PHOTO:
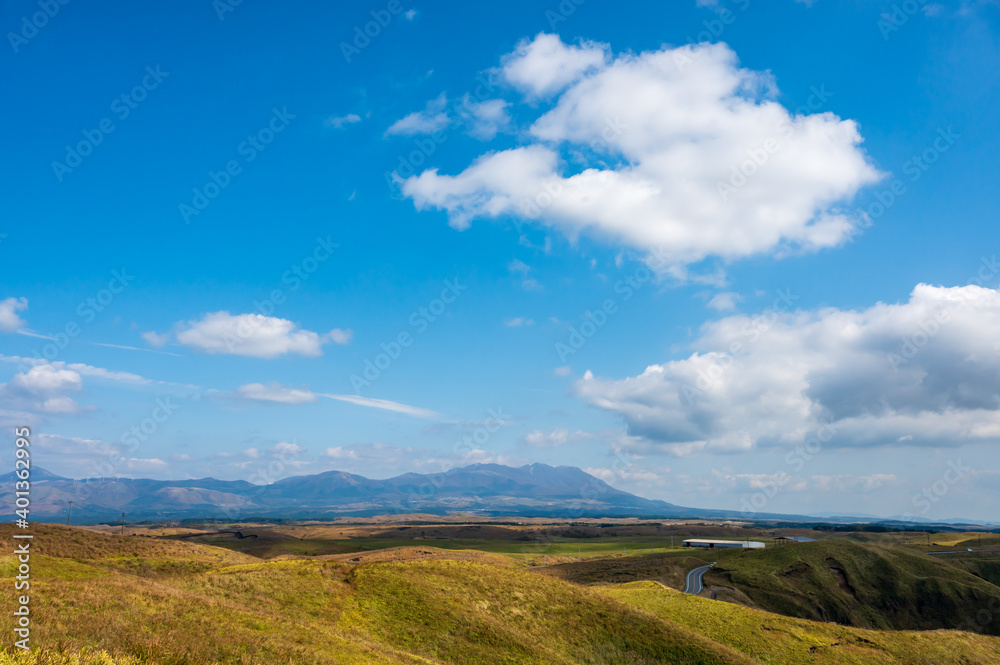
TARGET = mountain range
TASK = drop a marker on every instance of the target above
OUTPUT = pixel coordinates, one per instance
(535, 490)
(487, 489)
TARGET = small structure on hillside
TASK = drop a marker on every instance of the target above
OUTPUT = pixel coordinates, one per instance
(782, 540)
(711, 544)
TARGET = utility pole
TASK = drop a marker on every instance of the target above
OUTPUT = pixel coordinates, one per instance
(69, 512)
(123, 524)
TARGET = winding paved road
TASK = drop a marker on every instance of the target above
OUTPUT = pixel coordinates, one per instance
(694, 583)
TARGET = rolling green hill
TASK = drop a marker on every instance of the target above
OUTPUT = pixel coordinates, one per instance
(864, 585)
(779, 640)
(101, 599)
(669, 569)
(985, 566)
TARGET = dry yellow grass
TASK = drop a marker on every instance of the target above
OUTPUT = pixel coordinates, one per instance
(180, 603)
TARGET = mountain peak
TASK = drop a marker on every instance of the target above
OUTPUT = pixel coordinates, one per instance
(37, 474)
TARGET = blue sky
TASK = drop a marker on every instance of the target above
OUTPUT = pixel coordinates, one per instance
(218, 215)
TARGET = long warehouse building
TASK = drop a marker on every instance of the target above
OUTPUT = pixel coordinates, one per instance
(703, 542)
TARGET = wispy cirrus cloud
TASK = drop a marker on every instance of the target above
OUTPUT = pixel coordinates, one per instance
(136, 348)
(275, 392)
(433, 118)
(280, 394)
(386, 405)
(725, 301)
(339, 122)
(557, 437)
(486, 118)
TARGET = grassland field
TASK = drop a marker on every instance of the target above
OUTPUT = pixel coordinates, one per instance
(425, 592)
(522, 541)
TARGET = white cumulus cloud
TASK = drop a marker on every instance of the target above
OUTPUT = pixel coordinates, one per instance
(678, 151)
(42, 379)
(922, 372)
(285, 449)
(9, 320)
(253, 335)
(44, 388)
(545, 65)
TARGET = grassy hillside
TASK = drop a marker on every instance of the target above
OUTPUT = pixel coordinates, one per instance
(780, 640)
(986, 566)
(669, 568)
(531, 545)
(99, 599)
(865, 585)
(471, 612)
(958, 540)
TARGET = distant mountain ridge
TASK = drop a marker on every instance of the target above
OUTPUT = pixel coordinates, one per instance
(489, 489)
(533, 490)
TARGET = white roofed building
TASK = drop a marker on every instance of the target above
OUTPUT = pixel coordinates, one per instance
(708, 543)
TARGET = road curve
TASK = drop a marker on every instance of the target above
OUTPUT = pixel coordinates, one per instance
(694, 577)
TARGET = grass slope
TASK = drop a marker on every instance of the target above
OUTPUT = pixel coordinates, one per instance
(179, 603)
(669, 569)
(469, 612)
(864, 585)
(780, 640)
(527, 546)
